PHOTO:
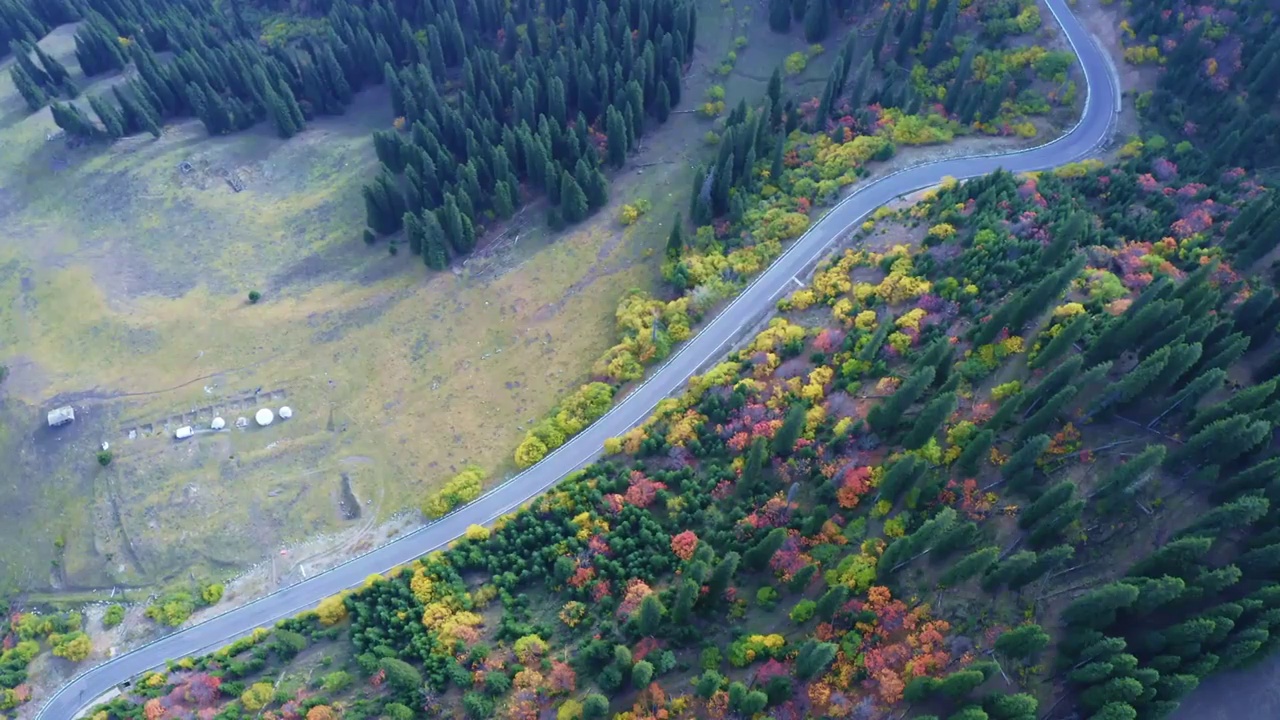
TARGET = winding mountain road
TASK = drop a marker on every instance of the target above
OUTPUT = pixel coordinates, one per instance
(1102, 105)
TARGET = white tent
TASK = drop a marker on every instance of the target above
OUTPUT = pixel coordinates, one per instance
(264, 417)
(286, 412)
(218, 423)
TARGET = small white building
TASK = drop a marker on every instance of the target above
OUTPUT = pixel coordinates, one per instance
(61, 416)
(184, 432)
(264, 417)
(286, 412)
(218, 423)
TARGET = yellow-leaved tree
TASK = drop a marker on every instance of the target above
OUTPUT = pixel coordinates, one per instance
(257, 696)
(331, 610)
(460, 490)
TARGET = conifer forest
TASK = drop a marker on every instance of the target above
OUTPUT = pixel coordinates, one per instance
(1009, 453)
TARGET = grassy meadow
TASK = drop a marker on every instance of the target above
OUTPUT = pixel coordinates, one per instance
(124, 272)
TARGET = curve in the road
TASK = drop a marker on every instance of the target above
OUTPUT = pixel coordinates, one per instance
(1102, 104)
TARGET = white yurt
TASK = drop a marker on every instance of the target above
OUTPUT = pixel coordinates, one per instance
(218, 423)
(264, 417)
(286, 412)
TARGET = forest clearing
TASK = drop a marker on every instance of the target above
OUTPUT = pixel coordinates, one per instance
(125, 281)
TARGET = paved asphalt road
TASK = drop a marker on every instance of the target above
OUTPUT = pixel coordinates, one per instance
(1101, 106)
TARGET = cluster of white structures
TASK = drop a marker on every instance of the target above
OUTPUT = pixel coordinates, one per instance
(263, 418)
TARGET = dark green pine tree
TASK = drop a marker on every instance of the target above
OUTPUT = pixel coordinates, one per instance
(860, 79)
(1222, 441)
(912, 34)
(1053, 383)
(955, 91)
(335, 79)
(217, 114)
(1126, 478)
(593, 183)
(929, 420)
(414, 232)
(885, 416)
(813, 658)
(1022, 643)
(55, 12)
(503, 205)
(378, 209)
(817, 20)
(22, 58)
(414, 197)
(291, 105)
(1225, 352)
(573, 201)
(1181, 359)
(939, 44)
(674, 77)
(58, 75)
(280, 115)
(824, 106)
(780, 15)
(900, 477)
(551, 171)
(1042, 295)
(675, 240)
(139, 115)
(1049, 530)
(1020, 468)
(615, 126)
(974, 453)
(165, 88)
(435, 51)
(784, 441)
(1012, 572)
(971, 565)
(108, 115)
(1244, 401)
(1044, 417)
(1097, 609)
(27, 87)
(662, 107)
(97, 47)
(831, 602)
(68, 117)
(753, 470)
(1126, 330)
(700, 200)
(774, 93)
(468, 234)
(877, 45)
(1052, 498)
(758, 555)
(1069, 333)
(776, 167)
(721, 576)
(434, 243)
